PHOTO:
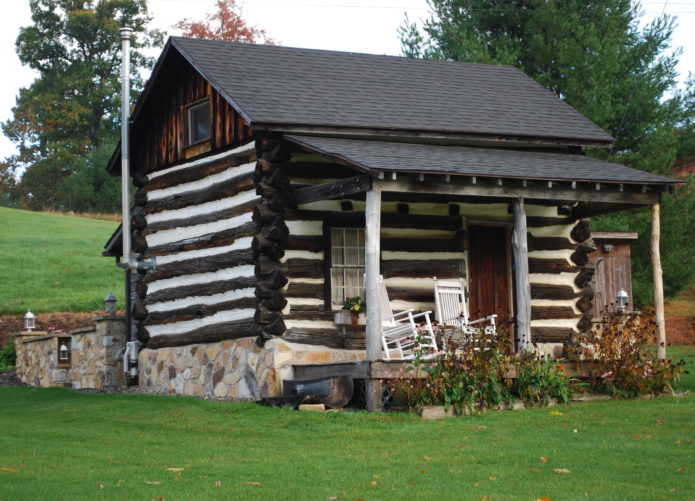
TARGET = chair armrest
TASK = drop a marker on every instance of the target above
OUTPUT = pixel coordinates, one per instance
(485, 319)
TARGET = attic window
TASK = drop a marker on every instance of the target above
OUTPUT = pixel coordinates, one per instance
(198, 122)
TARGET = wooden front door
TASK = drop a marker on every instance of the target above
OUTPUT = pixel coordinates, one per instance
(489, 280)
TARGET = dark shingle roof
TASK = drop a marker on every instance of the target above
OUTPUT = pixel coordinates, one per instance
(289, 86)
(470, 161)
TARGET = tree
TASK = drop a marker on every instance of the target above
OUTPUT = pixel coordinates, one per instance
(74, 104)
(594, 55)
(225, 24)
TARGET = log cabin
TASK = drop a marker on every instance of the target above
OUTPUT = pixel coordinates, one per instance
(276, 182)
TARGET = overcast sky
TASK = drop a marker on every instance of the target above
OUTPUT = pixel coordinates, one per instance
(348, 25)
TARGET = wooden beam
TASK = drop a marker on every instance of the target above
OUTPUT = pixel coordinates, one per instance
(658, 285)
(521, 269)
(334, 189)
(372, 271)
(485, 188)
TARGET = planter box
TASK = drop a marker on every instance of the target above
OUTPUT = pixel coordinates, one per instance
(344, 317)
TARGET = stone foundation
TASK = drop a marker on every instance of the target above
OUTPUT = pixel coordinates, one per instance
(37, 360)
(97, 354)
(236, 369)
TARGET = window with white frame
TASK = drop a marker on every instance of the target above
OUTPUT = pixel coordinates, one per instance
(347, 264)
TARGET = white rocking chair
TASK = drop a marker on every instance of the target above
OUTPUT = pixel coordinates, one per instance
(401, 337)
(452, 309)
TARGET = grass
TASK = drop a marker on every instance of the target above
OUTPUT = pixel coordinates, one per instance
(59, 444)
(683, 304)
(51, 262)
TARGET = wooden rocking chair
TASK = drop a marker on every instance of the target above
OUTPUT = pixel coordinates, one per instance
(452, 310)
(401, 336)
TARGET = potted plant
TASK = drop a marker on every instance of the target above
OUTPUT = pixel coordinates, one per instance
(355, 305)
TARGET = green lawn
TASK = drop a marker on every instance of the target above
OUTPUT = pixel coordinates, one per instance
(50, 262)
(58, 444)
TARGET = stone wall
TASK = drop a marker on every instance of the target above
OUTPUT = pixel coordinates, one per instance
(231, 369)
(37, 360)
(97, 354)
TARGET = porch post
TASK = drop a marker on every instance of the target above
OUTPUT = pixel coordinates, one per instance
(658, 285)
(371, 267)
(523, 288)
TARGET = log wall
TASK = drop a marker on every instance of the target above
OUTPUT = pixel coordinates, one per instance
(420, 240)
(196, 221)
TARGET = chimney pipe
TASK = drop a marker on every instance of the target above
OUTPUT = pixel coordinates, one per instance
(126, 33)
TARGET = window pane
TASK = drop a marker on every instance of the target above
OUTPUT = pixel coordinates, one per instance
(352, 282)
(337, 286)
(337, 244)
(199, 122)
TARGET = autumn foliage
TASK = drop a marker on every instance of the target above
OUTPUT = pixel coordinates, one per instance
(224, 24)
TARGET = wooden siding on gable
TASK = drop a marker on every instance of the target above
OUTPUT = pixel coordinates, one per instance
(158, 135)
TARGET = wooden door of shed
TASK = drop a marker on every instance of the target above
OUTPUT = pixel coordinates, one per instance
(489, 278)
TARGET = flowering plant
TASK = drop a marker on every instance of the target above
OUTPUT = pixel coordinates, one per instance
(355, 305)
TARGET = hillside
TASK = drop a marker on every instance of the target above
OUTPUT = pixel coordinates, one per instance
(53, 263)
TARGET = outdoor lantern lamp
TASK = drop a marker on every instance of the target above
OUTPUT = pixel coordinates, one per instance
(29, 321)
(110, 304)
(63, 352)
(621, 298)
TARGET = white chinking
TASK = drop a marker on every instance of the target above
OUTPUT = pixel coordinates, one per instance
(206, 208)
(186, 232)
(201, 278)
(200, 184)
(189, 325)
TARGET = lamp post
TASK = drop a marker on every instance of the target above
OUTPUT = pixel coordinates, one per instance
(110, 304)
(29, 321)
(621, 299)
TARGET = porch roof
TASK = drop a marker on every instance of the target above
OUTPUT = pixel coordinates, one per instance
(472, 161)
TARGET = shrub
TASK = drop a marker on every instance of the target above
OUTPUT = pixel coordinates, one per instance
(624, 364)
(476, 374)
(8, 354)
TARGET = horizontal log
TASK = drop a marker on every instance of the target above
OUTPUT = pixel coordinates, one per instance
(139, 243)
(549, 243)
(275, 229)
(141, 288)
(587, 245)
(581, 232)
(444, 268)
(139, 222)
(580, 257)
(276, 327)
(221, 190)
(302, 268)
(313, 243)
(275, 280)
(206, 334)
(273, 150)
(552, 291)
(330, 338)
(207, 217)
(263, 213)
(540, 221)
(334, 189)
(584, 304)
(142, 334)
(209, 240)
(201, 265)
(265, 267)
(201, 171)
(139, 310)
(423, 244)
(584, 277)
(276, 303)
(197, 311)
(140, 198)
(315, 314)
(552, 312)
(263, 245)
(139, 179)
(264, 316)
(550, 334)
(585, 323)
(303, 290)
(206, 289)
(540, 265)
(388, 220)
